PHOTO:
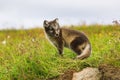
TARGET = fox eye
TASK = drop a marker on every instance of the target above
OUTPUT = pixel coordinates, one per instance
(51, 28)
(51, 31)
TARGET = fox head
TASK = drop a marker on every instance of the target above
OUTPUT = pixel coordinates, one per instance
(52, 28)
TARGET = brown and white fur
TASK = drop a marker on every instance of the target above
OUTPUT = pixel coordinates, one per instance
(62, 37)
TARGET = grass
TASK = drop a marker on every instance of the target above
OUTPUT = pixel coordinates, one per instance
(27, 54)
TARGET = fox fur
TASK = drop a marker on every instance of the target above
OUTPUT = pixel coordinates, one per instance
(63, 37)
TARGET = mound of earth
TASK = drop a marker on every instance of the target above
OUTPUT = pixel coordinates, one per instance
(109, 72)
(104, 72)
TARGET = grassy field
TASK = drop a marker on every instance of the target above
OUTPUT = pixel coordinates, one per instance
(27, 54)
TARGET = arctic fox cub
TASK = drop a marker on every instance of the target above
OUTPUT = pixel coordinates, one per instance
(62, 37)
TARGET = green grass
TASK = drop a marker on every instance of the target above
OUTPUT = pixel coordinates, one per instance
(27, 54)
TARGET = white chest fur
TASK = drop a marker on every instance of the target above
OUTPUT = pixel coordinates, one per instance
(51, 40)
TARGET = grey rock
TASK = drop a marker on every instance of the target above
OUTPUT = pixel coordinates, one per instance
(87, 74)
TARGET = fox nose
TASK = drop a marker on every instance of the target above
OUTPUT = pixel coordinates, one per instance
(56, 35)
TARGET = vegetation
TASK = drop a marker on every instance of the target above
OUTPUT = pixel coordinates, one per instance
(27, 54)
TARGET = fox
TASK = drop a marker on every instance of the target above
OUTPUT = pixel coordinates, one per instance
(62, 37)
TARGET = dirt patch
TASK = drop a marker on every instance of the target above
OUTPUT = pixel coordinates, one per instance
(67, 75)
(109, 72)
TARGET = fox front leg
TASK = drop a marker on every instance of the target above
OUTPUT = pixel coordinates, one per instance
(60, 48)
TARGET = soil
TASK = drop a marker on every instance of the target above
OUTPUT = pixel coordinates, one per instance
(67, 75)
(108, 73)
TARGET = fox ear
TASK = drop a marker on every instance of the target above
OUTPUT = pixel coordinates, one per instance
(56, 20)
(45, 22)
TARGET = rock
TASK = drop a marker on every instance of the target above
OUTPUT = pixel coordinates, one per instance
(87, 74)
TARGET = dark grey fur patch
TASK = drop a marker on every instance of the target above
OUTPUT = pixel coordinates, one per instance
(77, 42)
